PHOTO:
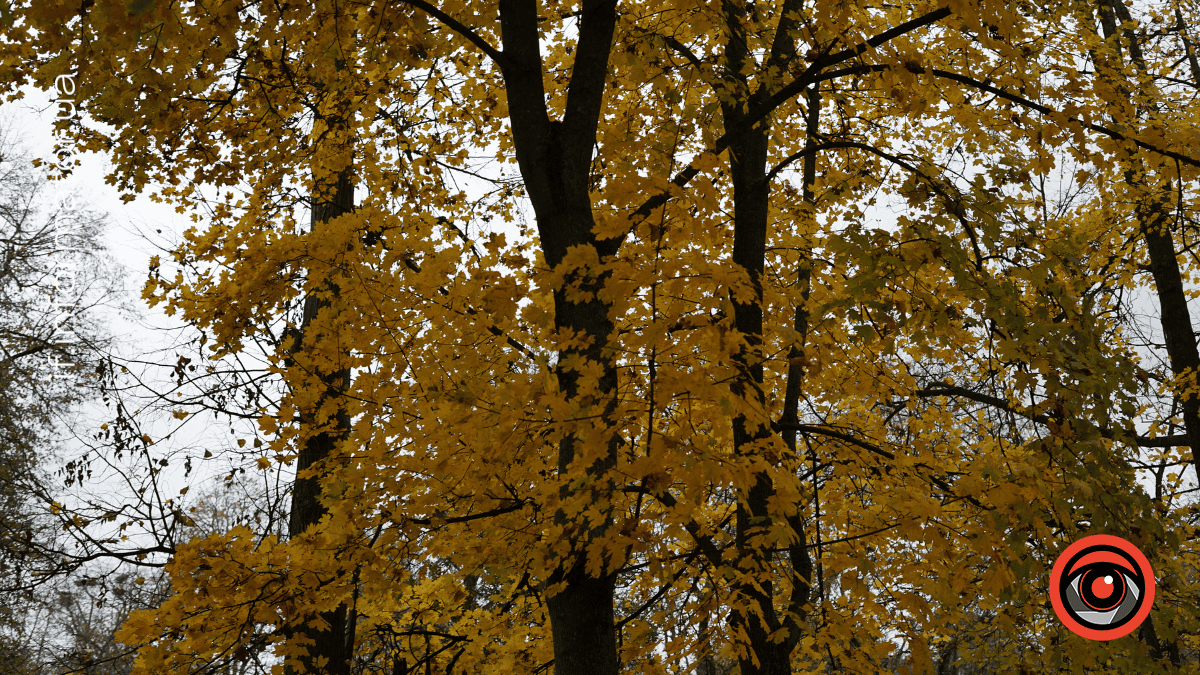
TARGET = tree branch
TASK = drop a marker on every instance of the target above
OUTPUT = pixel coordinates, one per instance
(875, 449)
(760, 112)
(704, 542)
(463, 30)
(466, 519)
(1020, 100)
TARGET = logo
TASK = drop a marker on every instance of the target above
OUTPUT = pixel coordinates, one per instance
(1102, 587)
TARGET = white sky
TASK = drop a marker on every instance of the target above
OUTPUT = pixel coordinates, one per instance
(130, 237)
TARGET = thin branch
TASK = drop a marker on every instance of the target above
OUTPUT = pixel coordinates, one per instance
(465, 519)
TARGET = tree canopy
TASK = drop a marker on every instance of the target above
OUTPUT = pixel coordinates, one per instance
(777, 336)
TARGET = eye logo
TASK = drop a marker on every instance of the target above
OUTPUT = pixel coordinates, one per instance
(1102, 587)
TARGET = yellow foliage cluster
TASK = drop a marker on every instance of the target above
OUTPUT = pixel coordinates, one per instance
(856, 436)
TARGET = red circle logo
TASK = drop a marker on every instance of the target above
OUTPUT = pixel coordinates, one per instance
(1102, 587)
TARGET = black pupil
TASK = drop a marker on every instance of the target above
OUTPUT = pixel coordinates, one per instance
(1092, 580)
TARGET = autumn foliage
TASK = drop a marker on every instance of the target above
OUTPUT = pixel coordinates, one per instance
(661, 337)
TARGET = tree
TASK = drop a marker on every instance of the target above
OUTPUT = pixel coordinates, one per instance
(55, 283)
(695, 378)
(69, 627)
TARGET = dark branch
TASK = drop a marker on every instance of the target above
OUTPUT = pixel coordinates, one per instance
(466, 519)
(760, 112)
(462, 29)
(705, 543)
(1020, 100)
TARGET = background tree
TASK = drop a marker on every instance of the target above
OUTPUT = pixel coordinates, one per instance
(56, 285)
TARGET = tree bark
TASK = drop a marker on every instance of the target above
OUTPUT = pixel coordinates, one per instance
(1153, 214)
(555, 162)
(751, 199)
(329, 647)
(1174, 316)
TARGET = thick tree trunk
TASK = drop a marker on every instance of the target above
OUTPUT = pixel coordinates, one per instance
(750, 198)
(306, 509)
(555, 162)
(330, 646)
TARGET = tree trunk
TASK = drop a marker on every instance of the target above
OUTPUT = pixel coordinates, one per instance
(751, 198)
(1153, 214)
(1175, 318)
(330, 646)
(555, 162)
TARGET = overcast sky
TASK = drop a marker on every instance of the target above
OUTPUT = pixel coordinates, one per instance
(31, 119)
(144, 333)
